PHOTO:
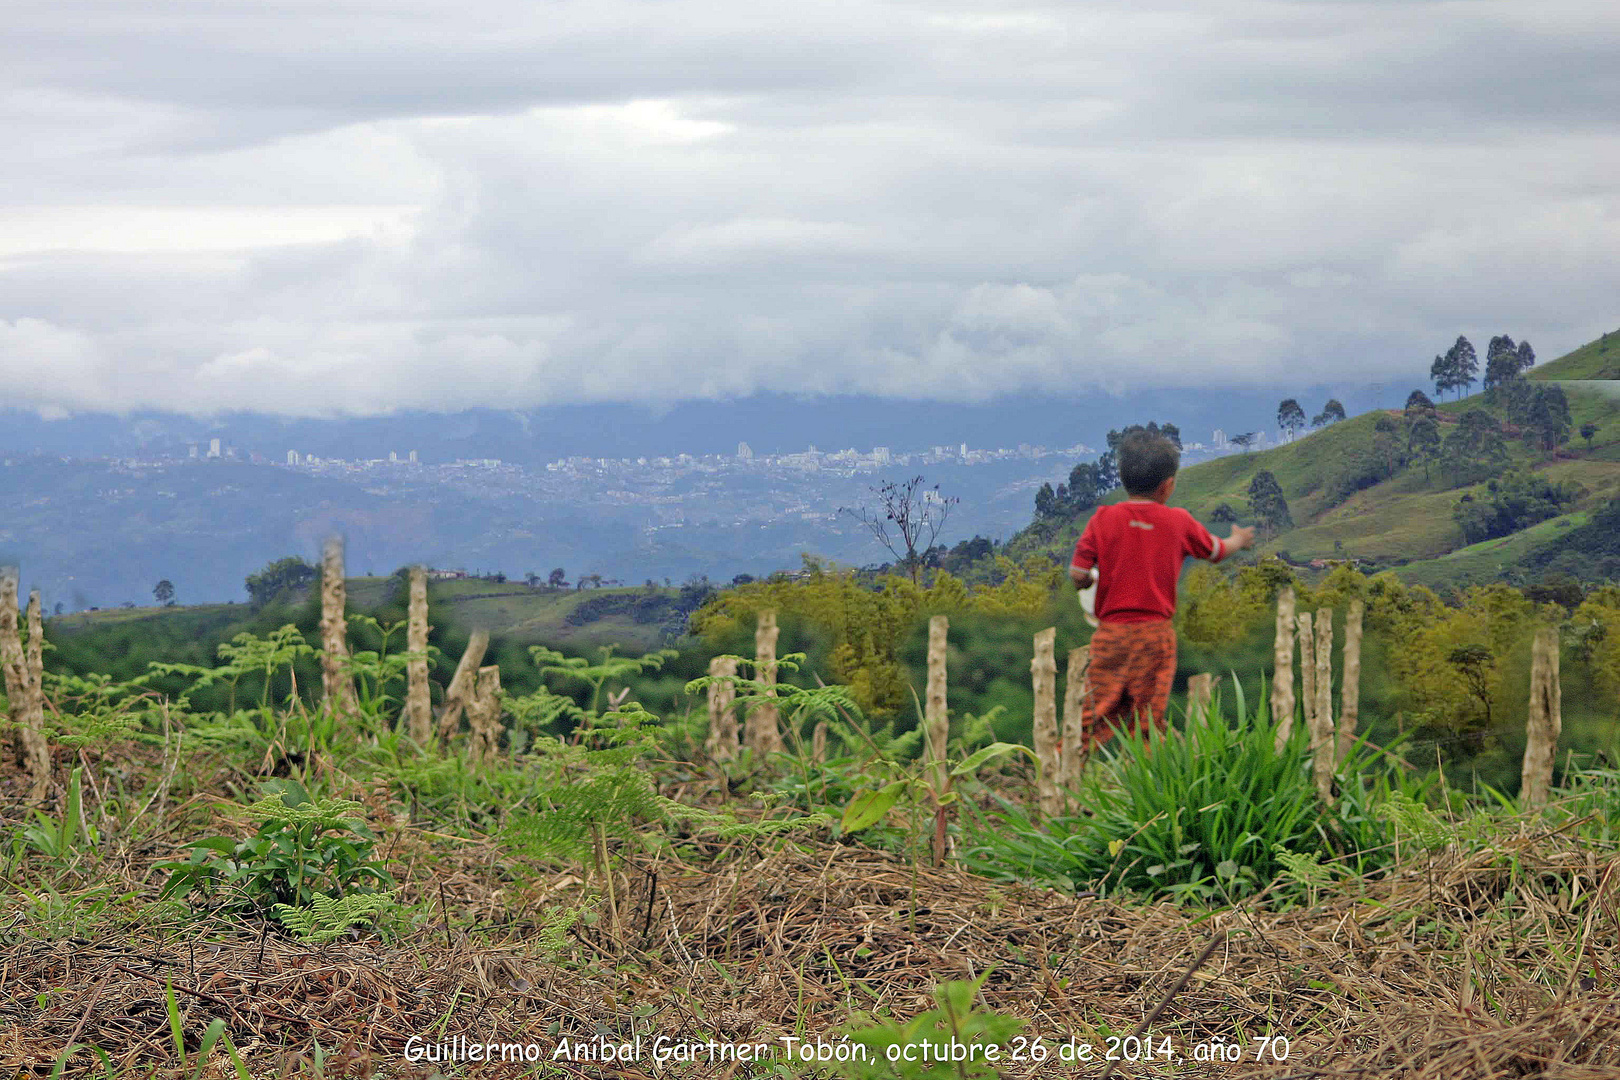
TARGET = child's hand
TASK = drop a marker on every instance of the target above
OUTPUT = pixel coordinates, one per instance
(1242, 537)
(1082, 578)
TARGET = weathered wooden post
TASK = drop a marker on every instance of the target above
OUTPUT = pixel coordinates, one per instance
(1323, 750)
(1307, 667)
(1200, 693)
(460, 690)
(337, 683)
(1074, 732)
(1546, 720)
(11, 662)
(721, 744)
(418, 702)
(818, 743)
(484, 715)
(1043, 669)
(1350, 693)
(24, 675)
(763, 730)
(935, 713)
(1282, 678)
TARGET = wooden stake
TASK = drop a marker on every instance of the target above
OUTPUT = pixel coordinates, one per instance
(763, 730)
(1043, 668)
(484, 715)
(24, 675)
(460, 690)
(11, 661)
(1074, 734)
(1307, 667)
(337, 684)
(1200, 693)
(1282, 677)
(1323, 752)
(1546, 720)
(1350, 693)
(721, 745)
(936, 716)
(418, 702)
(818, 743)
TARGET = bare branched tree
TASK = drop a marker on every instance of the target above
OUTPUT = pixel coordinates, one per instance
(907, 519)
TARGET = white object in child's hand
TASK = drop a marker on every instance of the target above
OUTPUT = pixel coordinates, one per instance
(1088, 599)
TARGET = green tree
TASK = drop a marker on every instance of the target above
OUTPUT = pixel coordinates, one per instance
(1463, 364)
(1475, 448)
(557, 579)
(1423, 441)
(1440, 375)
(163, 592)
(1527, 356)
(279, 577)
(1418, 404)
(1588, 430)
(1331, 413)
(1547, 420)
(1266, 502)
(1290, 417)
(1223, 514)
(1501, 365)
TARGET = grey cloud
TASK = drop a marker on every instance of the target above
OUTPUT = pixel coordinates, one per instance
(623, 201)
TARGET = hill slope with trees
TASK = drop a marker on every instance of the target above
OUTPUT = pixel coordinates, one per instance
(1507, 481)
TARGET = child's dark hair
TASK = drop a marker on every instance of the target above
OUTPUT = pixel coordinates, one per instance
(1146, 461)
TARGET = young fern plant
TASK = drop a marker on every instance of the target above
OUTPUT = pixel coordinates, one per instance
(326, 918)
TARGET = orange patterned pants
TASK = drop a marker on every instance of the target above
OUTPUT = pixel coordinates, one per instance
(1132, 667)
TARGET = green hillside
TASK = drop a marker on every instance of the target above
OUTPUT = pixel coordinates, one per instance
(1344, 506)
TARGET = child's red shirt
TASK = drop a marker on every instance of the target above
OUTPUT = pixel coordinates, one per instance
(1138, 548)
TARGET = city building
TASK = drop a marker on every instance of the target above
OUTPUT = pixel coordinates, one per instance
(393, 457)
(213, 448)
(745, 452)
(292, 457)
(880, 454)
(413, 457)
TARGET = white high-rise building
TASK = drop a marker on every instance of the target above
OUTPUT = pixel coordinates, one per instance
(213, 448)
(745, 452)
(393, 457)
(1218, 438)
(292, 457)
(193, 451)
(881, 454)
(413, 457)
(964, 450)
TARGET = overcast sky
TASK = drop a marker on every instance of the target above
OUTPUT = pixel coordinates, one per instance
(319, 206)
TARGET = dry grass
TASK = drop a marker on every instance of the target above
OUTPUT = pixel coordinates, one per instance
(1438, 971)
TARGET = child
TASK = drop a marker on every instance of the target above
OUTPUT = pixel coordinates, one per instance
(1134, 550)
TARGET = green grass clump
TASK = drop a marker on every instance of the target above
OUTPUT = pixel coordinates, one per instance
(1208, 814)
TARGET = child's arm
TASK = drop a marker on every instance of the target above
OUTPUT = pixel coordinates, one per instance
(1241, 536)
(1083, 567)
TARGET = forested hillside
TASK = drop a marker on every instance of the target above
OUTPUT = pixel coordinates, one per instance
(1510, 482)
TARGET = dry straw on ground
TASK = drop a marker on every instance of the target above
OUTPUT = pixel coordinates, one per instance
(1436, 972)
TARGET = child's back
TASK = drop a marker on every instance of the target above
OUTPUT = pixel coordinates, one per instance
(1136, 549)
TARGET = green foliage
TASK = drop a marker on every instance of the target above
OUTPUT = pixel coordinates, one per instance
(303, 847)
(1515, 500)
(1266, 502)
(279, 578)
(1197, 815)
(953, 1020)
(59, 838)
(1475, 449)
(327, 918)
